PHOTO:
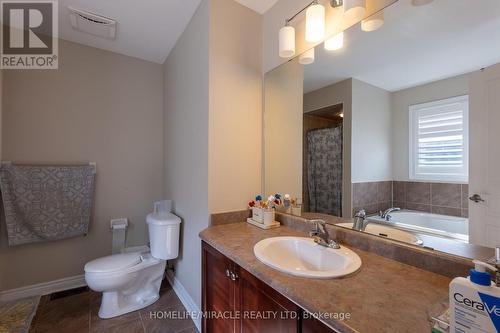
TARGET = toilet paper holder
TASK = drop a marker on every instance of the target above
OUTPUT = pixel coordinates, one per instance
(117, 224)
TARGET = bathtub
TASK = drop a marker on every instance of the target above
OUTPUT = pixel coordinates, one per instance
(427, 223)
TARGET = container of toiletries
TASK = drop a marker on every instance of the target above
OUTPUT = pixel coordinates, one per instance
(475, 302)
(258, 214)
(269, 215)
(287, 204)
(297, 207)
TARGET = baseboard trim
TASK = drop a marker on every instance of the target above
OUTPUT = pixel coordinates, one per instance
(44, 288)
(185, 298)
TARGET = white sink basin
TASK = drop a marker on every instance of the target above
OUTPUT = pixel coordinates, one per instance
(300, 256)
(387, 232)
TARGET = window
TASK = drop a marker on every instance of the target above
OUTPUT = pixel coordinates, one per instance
(439, 140)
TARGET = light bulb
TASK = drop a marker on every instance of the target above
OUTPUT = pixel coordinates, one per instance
(307, 57)
(335, 43)
(354, 8)
(374, 22)
(287, 42)
(315, 23)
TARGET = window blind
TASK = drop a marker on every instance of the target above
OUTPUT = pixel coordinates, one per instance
(439, 140)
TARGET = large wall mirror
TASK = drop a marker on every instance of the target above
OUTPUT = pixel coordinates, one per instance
(399, 121)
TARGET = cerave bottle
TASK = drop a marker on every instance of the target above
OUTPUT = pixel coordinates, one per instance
(475, 302)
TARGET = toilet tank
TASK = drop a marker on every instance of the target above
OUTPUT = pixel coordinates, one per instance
(164, 230)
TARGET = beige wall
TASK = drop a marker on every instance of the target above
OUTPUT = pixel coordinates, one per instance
(186, 143)
(371, 156)
(235, 121)
(98, 106)
(212, 123)
(401, 100)
(341, 92)
(283, 129)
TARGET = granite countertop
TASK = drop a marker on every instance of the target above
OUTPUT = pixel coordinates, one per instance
(383, 296)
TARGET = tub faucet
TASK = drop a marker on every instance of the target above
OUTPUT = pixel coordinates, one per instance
(385, 215)
(321, 236)
(360, 221)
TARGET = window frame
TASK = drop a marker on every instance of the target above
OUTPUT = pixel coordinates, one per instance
(415, 111)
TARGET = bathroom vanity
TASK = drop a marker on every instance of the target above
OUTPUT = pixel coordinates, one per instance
(383, 295)
(249, 304)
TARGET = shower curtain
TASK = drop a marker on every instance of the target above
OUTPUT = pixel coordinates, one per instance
(324, 170)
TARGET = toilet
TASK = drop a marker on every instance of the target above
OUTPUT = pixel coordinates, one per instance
(131, 281)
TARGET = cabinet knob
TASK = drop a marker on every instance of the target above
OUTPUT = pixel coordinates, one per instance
(228, 273)
(234, 276)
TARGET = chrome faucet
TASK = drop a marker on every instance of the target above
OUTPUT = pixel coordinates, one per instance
(385, 215)
(321, 236)
(360, 221)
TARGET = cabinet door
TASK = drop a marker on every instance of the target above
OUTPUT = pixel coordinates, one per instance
(218, 291)
(262, 309)
(311, 325)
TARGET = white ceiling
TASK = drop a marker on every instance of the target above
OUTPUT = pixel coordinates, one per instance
(260, 6)
(147, 29)
(416, 45)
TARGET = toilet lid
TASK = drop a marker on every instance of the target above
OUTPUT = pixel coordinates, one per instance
(113, 263)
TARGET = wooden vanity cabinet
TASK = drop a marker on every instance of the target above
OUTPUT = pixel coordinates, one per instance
(233, 300)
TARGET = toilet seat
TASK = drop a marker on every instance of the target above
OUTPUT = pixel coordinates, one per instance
(113, 263)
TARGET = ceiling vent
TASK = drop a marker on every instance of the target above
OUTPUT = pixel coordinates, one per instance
(93, 24)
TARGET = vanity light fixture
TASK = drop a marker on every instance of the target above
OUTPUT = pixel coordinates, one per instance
(307, 57)
(287, 42)
(336, 3)
(354, 8)
(374, 22)
(335, 43)
(315, 22)
(315, 28)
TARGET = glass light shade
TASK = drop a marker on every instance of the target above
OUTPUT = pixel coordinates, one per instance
(373, 23)
(335, 43)
(315, 23)
(287, 42)
(354, 8)
(421, 2)
(307, 57)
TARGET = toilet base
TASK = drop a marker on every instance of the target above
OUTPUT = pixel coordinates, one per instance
(110, 307)
(142, 290)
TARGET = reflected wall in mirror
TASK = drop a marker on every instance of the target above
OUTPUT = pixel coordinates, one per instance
(401, 122)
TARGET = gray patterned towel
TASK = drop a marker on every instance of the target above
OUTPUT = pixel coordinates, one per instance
(45, 203)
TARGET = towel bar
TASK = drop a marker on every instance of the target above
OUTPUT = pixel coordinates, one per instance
(94, 164)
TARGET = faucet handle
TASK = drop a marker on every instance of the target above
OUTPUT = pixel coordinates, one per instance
(361, 214)
(319, 228)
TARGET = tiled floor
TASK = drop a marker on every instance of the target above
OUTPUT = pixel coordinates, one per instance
(77, 313)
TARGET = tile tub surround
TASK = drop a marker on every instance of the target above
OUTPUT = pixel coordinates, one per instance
(396, 299)
(438, 198)
(371, 196)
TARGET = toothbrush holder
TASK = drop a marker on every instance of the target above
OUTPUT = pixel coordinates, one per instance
(269, 216)
(258, 214)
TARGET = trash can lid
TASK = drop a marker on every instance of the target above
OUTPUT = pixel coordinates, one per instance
(163, 219)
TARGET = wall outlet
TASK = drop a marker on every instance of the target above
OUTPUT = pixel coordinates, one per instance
(120, 223)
